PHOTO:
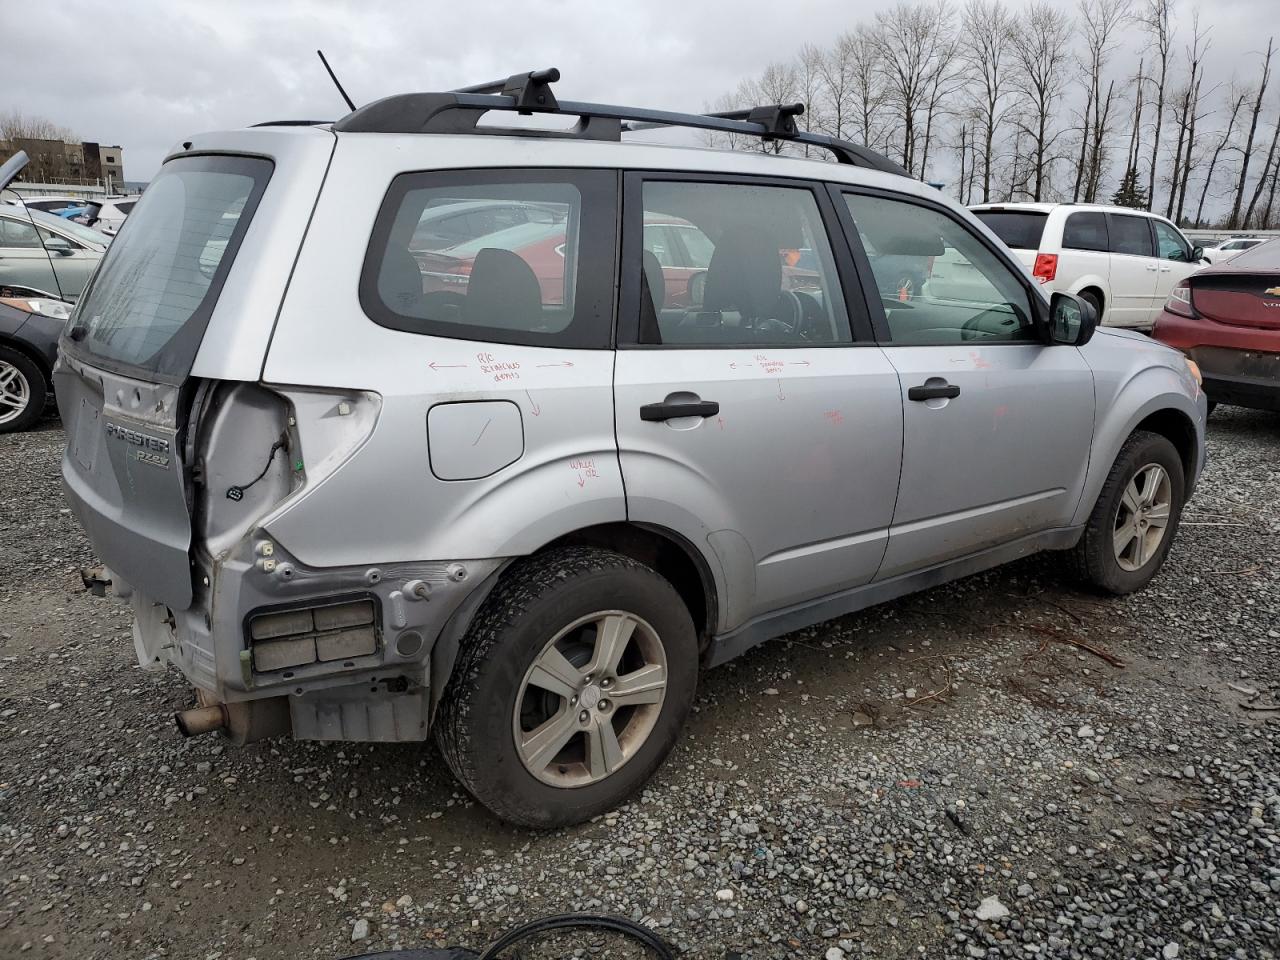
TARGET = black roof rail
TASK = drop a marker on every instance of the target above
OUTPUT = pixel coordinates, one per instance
(459, 111)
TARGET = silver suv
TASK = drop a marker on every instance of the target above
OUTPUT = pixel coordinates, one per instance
(402, 425)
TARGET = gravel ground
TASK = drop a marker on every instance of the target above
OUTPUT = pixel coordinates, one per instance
(964, 773)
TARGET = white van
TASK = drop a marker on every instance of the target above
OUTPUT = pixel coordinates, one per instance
(1125, 262)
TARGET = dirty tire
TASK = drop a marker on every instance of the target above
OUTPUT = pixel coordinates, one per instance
(36, 392)
(535, 599)
(1094, 556)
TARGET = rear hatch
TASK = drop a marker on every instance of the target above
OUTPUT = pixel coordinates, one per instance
(1238, 297)
(124, 382)
(1020, 230)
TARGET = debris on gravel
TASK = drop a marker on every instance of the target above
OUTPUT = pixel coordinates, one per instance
(950, 775)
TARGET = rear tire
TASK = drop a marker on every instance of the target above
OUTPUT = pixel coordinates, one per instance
(22, 391)
(571, 687)
(1095, 301)
(1134, 522)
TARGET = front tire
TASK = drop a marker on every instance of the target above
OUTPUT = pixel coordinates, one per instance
(22, 391)
(1133, 524)
(571, 687)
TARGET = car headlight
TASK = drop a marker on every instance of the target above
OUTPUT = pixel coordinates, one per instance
(1195, 370)
(46, 307)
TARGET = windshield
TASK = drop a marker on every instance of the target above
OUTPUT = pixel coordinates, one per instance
(1263, 256)
(148, 305)
(1019, 229)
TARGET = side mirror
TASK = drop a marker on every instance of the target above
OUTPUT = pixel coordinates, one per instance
(1072, 320)
(59, 246)
(1197, 254)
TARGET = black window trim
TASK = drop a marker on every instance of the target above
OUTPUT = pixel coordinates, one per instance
(871, 292)
(632, 230)
(1106, 227)
(596, 266)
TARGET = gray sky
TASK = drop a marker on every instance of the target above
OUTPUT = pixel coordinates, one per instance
(168, 69)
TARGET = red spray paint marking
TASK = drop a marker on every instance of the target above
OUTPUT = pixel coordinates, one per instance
(586, 469)
(834, 417)
(534, 409)
(566, 363)
(446, 366)
(1000, 412)
(501, 371)
(781, 396)
(979, 362)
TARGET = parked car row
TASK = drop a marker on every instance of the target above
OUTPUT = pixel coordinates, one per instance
(104, 214)
(1125, 262)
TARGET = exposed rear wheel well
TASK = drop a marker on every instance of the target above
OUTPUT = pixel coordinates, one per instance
(1179, 431)
(667, 553)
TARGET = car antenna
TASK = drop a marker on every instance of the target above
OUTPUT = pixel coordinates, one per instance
(7, 173)
(334, 77)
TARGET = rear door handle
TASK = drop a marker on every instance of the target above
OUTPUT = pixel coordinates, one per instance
(669, 411)
(1152, 267)
(939, 391)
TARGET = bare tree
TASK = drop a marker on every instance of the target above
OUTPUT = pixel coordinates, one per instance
(870, 97)
(1100, 23)
(1041, 49)
(988, 28)
(1157, 19)
(1253, 130)
(1262, 178)
(1237, 102)
(1186, 114)
(917, 51)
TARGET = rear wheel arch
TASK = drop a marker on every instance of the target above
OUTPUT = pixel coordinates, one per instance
(664, 551)
(1093, 292)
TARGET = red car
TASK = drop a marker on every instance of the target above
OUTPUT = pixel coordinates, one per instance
(1226, 318)
(683, 251)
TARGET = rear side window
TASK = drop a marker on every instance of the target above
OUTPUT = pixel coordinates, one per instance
(1130, 235)
(737, 264)
(150, 301)
(1086, 231)
(508, 256)
(1019, 229)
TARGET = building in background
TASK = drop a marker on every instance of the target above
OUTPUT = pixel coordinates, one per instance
(55, 162)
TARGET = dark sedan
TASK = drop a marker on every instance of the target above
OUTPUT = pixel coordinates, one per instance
(1227, 319)
(30, 325)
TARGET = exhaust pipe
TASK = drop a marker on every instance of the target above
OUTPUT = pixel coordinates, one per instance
(240, 723)
(200, 720)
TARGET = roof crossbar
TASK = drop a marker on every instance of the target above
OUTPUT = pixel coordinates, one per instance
(459, 111)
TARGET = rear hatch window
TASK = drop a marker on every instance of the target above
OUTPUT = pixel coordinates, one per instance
(1019, 229)
(149, 303)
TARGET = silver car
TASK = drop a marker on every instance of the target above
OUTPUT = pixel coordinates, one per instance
(518, 491)
(44, 254)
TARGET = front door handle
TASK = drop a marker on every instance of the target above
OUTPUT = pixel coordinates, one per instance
(669, 411)
(936, 391)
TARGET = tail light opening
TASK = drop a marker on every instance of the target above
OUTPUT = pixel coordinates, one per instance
(1046, 267)
(1179, 301)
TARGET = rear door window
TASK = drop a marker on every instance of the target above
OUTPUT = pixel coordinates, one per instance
(508, 256)
(1086, 231)
(150, 301)
(1130, 235)
(1019, 229)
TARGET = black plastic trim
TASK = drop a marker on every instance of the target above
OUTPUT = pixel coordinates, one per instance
(458, 111)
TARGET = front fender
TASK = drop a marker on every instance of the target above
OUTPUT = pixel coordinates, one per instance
(1126, 396)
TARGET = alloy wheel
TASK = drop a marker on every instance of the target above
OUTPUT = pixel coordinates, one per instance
(1142, 517)
(590, 699)
(15, 392)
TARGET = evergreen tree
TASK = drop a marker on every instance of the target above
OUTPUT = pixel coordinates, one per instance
(1130, 194)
